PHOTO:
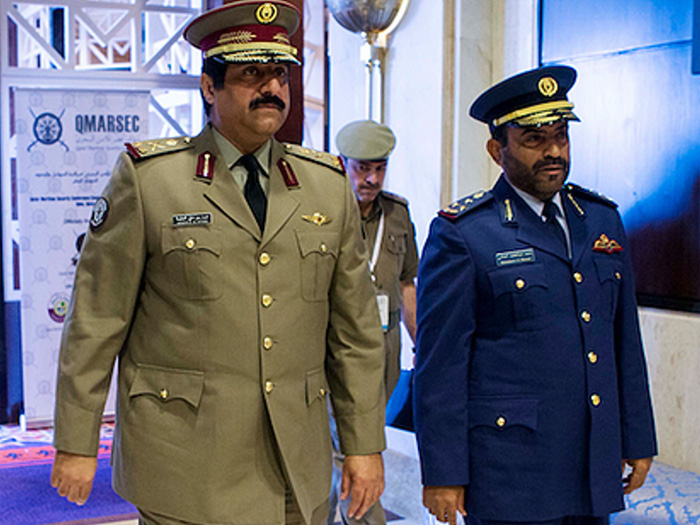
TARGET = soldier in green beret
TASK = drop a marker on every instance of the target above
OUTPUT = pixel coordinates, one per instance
(365, 147)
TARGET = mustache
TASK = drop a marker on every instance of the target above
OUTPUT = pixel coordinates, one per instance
(268, 99)
(540, 164)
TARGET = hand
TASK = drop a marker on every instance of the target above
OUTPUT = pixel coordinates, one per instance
(72, 475)
(363, 480)
(635, 479)
(445, 502)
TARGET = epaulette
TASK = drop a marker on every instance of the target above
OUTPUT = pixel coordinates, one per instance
(151, 148)
(395, 198)
(319, 157)
(465, 205)
(580, 190)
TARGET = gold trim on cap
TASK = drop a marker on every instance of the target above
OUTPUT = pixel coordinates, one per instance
(256, 48)
(266, 13)
(532, 110)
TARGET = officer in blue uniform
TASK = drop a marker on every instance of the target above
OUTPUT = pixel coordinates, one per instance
(531, 387)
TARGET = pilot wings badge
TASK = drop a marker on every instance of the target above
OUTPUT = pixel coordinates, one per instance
(317, 218)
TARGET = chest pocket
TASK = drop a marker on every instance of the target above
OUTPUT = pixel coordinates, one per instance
(523, 292)
(396, 244)
(191, 260)
(609, 275)
(319, 252)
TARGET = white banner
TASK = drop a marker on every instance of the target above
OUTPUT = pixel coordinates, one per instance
(67, 143)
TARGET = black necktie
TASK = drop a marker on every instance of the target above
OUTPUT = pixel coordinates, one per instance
(550, 212)
(253, 192)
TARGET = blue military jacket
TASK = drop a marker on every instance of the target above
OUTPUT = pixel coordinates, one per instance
(531, 383)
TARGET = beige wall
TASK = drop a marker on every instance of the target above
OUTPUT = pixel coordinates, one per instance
(672, 342)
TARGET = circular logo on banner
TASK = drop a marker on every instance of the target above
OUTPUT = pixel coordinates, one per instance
(99, 214)
(47, 128)
(58, 307)
(266, 13)
(548, 86)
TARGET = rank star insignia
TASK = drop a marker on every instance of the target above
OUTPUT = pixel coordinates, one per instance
(317, 218)
(606, 245)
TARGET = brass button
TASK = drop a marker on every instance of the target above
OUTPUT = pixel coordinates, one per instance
(501, 422)
(520, 284)
(586, 316)
(264, 258)
(164, 393)
(266, 300)
(595, 399)
(323, 247)
(190, 243)
(618, 276)
(592, 357)
(267, 343)
(578, 277)
(269, 386)
(322, 391)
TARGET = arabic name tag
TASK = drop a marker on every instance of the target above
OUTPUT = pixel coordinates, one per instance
(383, 304)
(524, 256)
(191, 219)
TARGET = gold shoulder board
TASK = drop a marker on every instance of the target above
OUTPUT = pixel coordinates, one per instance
(585, 192)
(466, 204)
(151, 148)
(319, 157)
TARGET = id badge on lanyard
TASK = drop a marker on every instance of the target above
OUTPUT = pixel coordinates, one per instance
(382, 297)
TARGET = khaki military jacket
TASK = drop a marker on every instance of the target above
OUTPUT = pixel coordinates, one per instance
(228, 341)
(397, 262)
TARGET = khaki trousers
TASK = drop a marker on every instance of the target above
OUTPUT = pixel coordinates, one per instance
(292, 515)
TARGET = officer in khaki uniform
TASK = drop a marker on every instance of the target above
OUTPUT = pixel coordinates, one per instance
(228, 274)
(365, 147)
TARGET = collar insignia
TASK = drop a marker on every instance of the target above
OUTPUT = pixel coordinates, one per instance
(205, 166)
(290, 178)
(317, 218)
(606, 245)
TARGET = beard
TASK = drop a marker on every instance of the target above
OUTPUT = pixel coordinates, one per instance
(533, 179)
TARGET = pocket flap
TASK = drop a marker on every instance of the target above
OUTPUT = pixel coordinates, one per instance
(190, 239)
(316, 385)
(168, 383)
(503, 413)
(608, 269)
(324, 243)
(517, 279)
(396, 244)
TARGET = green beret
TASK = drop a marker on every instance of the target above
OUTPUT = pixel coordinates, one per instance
(365, 140)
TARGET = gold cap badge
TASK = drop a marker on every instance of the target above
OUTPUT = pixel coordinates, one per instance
(548, 86)
(266, 13)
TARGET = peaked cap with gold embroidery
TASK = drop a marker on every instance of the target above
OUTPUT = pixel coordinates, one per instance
(533, 98)
(244, 31)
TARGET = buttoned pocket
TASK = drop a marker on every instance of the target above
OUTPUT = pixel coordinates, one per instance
(503, 413)
(503, 438)
(319, 252)
(316, 386)
(168, 384)
(609, 271)
(523, 291)
(191, 260)
(164, 402)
